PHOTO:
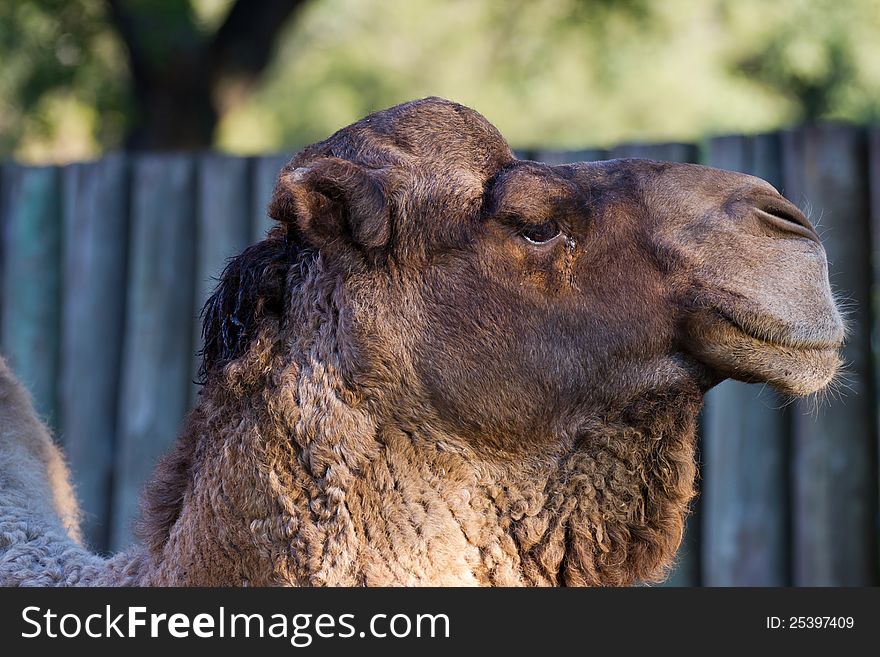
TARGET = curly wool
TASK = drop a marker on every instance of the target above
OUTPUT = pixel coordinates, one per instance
(40, 542)
(349, 503)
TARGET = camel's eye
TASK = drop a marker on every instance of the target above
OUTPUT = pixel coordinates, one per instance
(540, 233)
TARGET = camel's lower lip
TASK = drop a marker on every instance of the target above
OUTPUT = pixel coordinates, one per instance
(778, 341)
(793, 367)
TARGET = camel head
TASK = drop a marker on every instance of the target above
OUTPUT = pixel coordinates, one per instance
(506, 298)
(507, 356)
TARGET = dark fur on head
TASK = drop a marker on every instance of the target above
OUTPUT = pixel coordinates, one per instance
(251, 289)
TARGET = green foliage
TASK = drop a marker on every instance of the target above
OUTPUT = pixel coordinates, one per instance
(65, 87)
(548, 72)
(823, 56)
(62, 78)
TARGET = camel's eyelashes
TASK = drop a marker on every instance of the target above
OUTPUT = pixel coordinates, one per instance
(540, 233)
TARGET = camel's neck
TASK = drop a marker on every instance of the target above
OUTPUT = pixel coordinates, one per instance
(296, 484)
(284, 476)
(605, 509)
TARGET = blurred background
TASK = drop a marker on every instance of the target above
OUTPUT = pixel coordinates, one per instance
(79, 77)
(140, 140)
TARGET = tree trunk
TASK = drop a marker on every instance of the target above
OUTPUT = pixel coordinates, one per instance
(176, 69)
(173, 111)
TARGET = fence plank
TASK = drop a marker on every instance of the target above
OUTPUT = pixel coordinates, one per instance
(874, 200)
(5, 189)
(31, 327)
(223, 226)
(265, 173)
(95, 254)
(745, 514)
(569, 156)
(745, 445)
(834, 498)
(874, 209)
(157, 353)
(672, 152)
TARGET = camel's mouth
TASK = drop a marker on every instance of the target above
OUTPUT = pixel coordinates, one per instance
(759, 329)
(757, 349)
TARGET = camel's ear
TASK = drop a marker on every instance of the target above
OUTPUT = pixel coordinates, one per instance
(333, 201)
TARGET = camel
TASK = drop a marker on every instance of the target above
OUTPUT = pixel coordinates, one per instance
(449, 366)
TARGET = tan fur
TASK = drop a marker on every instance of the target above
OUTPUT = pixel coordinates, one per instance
(447, 366)
(31, 466)
(39, 516)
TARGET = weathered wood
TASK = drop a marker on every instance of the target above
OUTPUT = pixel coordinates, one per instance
(223, 226)
(95, 255)
(745, 515)
(745, 443)
(669, 152)
(874, 200)
(567, 157)
(766, 160)
(5, 188)
(835, 494)
(265, 173)
(31, 327)
(874, 208)
(157, 353)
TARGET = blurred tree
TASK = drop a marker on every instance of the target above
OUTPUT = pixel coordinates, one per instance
(58, 59)
(570, 73)
(156, 71)
(812, 56)
(81, 76)
(814, 90)
(182, 77)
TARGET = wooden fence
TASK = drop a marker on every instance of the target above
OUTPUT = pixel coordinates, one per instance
(104, 266)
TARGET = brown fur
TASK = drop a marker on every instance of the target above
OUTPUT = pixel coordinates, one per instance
(415, 381)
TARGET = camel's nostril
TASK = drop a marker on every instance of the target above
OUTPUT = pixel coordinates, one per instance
(786, 214)
(787, 218)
